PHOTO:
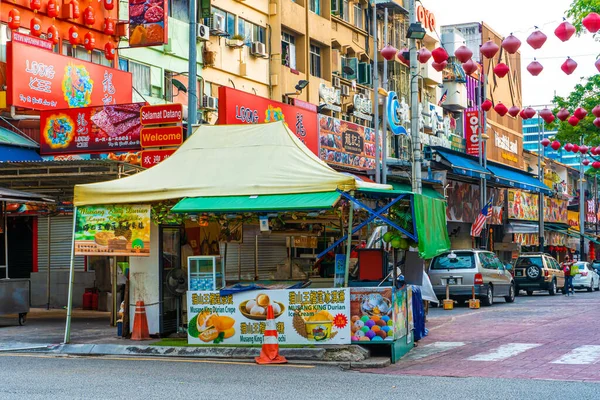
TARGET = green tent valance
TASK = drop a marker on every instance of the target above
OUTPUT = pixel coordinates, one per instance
(263, 203)
(426, 191)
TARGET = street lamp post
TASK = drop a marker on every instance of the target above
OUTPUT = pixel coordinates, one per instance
(414, 106)
(376, 95)
(193, 71)
(542, 133)
(582, 256)
(384, 117)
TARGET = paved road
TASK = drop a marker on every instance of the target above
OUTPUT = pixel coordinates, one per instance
(538, 337)
(31, 376)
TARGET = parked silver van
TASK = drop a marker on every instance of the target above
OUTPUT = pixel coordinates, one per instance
(462, 270)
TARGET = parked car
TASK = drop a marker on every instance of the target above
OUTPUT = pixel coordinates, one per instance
(587, 278)
(596, 265)
(538, 271)
(463, 270)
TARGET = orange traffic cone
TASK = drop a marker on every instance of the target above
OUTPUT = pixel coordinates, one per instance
(140, 323)
(269, 354)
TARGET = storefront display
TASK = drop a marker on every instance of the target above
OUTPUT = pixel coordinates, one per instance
(372, 314)
(463, 203)
(346, 144)
(206, 273)
(523, 205)
(556, 210)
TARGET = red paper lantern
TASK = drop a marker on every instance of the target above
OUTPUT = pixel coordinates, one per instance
(529, 112)
(389, 52)
(76, 9)
(594, 150)
(109, 4)
(52, 34)
(439, 55)
(597, 64)
(569, 66)
(564, 31)
(439, 67)
(89, 18)
(522, 114)
(537, 39)
(35, 27)
(423, 55)
(596, 111)
(489, 49)
(109, 26)
(14, 19)
(580, 113)
(109, 51)
(501, 70)
(52, 9)
(463, 54)
(545, 142)
(511, 44)
(583, 149)
(586, 162)
(35, 5)
(535, 68)
(592, 22)
(555, 145)
(575, 148)
(89, 41)
(486, 105)
(74, 38)
(597, 122)
(596, 164)
(400, 56)
(501, 109)
(563, 114)
(573, 121)
(568, 147)
(514, 111)
(470, 66)
(547, 115)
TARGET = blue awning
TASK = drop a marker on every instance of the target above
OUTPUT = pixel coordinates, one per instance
(17, 154)
(463, 164)
(518, 179)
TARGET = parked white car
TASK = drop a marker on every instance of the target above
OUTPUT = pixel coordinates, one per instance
(587, 278)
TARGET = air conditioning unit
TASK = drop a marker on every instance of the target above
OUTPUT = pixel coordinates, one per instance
(336, 82)
(345, 90)
(259, 49)
(202, 33)
(210, 103)
(218, 24)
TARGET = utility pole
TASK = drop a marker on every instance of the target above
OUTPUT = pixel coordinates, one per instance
(384, 117)
(542, 133)
(582, 256)
(414, 106)
(193, 72)
(376, 95)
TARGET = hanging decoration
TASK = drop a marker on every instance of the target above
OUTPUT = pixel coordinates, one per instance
(564, 31)
(594, 151)
(522, 114)
(501, 109)
(535, 68)
(592, 22)
(469, 66)
(401, 57)
(575, 148)
(89, 17)
(555, 145)
(463, 54)
(35, 27)
(439, 67)
(529, 112)
(563, 114)
(586, 162)
(580, 113)
(109, 26)
(423, 55)
(583, 149)
(439, 55)
(35, 5)
(511, 44)
(545, 142)
(109, 4)
(487, 105)
(109, 51)
(568, 147)
(489, 49)
(596, 164)
(573, 121)
(514, 111)
(537, 39)
(596, 111)
(75, 8)
(597, 122)
(501, 70)
(89, 42)
(52, 34)
(52, 9)
(569, 66)
(74, 35)
(389, 52)
(547, 115)
(14, 19)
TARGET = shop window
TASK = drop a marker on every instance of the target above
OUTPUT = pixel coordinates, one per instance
(99, 58)
(229, 20)
(140, 74)
(315, 61)
(288, 50)
(315, 6)
(76, 52)
(179, 9)
(358, 16)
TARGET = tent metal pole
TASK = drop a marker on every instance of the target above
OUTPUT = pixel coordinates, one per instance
(48, 281)
(349, 247)
(5, 238)
(71, 279)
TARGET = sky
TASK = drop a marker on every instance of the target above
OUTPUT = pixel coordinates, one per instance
(519, 17)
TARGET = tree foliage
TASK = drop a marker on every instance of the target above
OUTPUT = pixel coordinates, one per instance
(579, 9)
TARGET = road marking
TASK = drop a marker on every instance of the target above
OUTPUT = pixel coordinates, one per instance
(580, 356)
(431, 349)
(185, 360)
(503, 352)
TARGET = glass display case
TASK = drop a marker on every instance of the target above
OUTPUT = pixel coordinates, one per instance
(206, 273)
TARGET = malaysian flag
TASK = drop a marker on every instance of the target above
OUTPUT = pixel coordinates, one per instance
(486, 212)
(443, 98)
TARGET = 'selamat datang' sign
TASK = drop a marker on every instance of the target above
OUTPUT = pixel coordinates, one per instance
(162, 114)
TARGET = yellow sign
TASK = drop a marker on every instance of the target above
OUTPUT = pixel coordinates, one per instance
(573, 220)
(510, 157)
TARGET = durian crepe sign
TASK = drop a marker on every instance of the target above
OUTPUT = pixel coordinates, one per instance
(115, 230)
(301, 316)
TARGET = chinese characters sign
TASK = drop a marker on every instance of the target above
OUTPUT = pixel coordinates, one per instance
(472, 132)
(92, 129)
(346, 144)
(152, 157)
(120, 230)
(42, 80)
(302, 316)
(236, 107)
(590, 212)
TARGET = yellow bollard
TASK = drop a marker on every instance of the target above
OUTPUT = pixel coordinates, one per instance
(448, 304)
(474, 303)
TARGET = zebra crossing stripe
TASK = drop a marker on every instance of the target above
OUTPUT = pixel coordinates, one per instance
(431, 349)
(503, 352)
(588, 354)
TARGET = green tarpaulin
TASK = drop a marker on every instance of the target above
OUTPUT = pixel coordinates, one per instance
(430, 218)
(265, 203)
(426, 191)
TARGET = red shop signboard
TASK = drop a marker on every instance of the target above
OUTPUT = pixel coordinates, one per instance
(472, 132)
(41, 80)
(111, 128)
(236, 107)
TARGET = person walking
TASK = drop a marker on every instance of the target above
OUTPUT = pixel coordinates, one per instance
(567, 265)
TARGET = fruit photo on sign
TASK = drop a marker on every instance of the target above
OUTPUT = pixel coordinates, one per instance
(147, 22)
(211, 327)
(257, 309)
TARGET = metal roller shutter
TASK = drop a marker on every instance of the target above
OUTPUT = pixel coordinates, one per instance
(271, 252)
(61, 237)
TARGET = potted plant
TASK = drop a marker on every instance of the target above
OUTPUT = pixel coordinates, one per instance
(235, 41)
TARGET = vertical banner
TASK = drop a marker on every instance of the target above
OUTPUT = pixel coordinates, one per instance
(472, 132)
(340, 270)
